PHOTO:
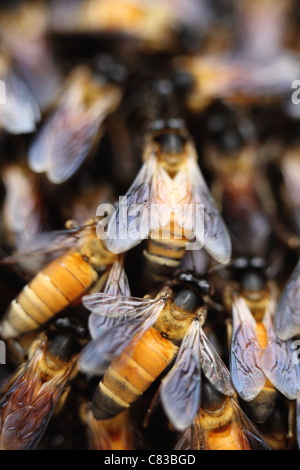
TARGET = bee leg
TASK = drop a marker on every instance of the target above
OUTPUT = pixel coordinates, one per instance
(98, 286)
(153, 405)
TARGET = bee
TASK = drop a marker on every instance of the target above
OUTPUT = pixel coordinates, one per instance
(260, 363)
(74, 128)
(149, 334)
(239, 184)
(170, 202)
(34, 392)
(61, 282)
(20, 112)
(220, 424)
(23, 212)
(111, 434)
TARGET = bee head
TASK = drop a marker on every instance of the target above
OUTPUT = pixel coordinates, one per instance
(250, 273)
(228, 131)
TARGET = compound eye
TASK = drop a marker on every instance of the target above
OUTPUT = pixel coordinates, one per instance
(258, 262)
(241, 263)
(157, 125)
(204, 287)
(186, 277)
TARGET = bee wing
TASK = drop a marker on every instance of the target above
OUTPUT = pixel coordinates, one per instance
(209, 228)
(287, 318)
(213, 367)
(194, 438)
(241, 433)
(298, 420)
(245, 359)
(196, 261)
(46, 243)
(180, 389)
(63, 143)
(136, 316)
(249, 437)
(130, 223)
(28, 405)
(117, 282)
(20, 112)
(116, 285)
(277, 361)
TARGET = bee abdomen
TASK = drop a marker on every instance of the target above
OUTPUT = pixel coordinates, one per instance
(162, 258)
(226, 438)
(51, 290)
(131, 374)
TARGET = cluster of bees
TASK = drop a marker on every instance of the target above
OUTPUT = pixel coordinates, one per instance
(180, 335)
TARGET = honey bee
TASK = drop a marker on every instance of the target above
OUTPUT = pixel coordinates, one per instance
(75, 127)
(111, 434)
(220, 424)
(33, 393)
(60, 283)
(170, 202)
(240, 184)
(260, 363)
(20, 113)
(149, 334)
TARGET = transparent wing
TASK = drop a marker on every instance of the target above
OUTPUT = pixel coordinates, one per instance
(298, 420)
(116, 285)
(249, 436)
(138, 316)
(112, 306)
(117, 282)
(28, 406)
(245, 359)
(193, 438)
(277, 361)
(287, 317)
(46, 243)
(180, 389)
(239, 433)
(130, 223)
(20, 113)
(63, 143)
(213, 367)
(209, 228)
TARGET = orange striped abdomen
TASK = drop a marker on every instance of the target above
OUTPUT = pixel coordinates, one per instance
(226, 438)
(51, 290)
(129, 375)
